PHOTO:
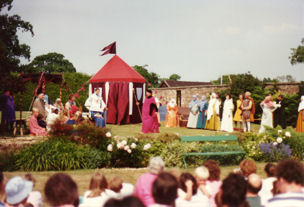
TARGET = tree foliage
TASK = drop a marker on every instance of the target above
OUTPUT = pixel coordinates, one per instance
(175, 77)
(10, 48)
(50, 63)
(297, 54)
(151, 77)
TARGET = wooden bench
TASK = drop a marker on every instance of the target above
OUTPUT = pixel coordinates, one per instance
(207, 139)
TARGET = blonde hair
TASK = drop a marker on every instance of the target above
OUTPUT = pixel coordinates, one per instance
(201, 172)
(35, 110)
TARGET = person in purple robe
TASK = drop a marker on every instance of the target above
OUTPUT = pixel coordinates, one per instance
(149, 114)
(8, 110)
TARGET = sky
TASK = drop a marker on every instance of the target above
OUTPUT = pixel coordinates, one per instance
(198, 39)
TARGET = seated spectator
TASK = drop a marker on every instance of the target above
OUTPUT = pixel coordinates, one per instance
(164, 190)
(143, 189)
(254, 185)
(247, 167)
(130, 201)
(119, 189)
(35, 129)
(201, 175)
(290, 175)
(267, 186)
(2, 194)
(34, 197)
(17, 191)
(51, 118)
(71, 120)
(61, 190)
(233, 192)
(40, 121)
(187, 192)
(70, 103)
(58, 105)
(96, 196)
(213, 183)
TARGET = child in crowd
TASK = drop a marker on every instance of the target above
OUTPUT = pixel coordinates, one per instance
(34, 197)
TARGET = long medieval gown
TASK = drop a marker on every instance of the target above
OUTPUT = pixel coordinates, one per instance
(227, 122)
(35, 129)
(8, 110)
(171, 118)
(193, 115)
(238, 112)
(202, 117)
(300, 121)
(267, 117)
(149, 116)
(213, 119)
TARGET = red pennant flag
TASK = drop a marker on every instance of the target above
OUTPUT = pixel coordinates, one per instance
(111, 48)
(77, 95)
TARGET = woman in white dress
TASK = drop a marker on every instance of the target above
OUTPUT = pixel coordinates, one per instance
(267, 117)
(193, 115)
(227, 122)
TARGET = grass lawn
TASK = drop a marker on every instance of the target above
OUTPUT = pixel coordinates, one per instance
(82, 177)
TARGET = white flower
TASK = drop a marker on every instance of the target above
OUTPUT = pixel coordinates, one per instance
(133, 145)
(129, 151)
(110, 147)
(287, 134)
(118, 145)
(108, 134)
(147, 146)
(126, 147)
(275, 144)
(279, 131)
(124, 142)
(279, 140)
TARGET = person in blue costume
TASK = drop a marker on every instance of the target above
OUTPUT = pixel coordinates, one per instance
(202, 117)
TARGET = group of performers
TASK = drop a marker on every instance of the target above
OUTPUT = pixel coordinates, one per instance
(205, 114)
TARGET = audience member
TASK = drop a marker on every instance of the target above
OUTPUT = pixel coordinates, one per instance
(164, 190)
(51, 118)
(60, 190)
(290, 175)
(267, 187)
(35, 129)
(233, 192)
(96, 195)
(119, 189)
(130, 201)
(201, 175)
(58, 104)
(213, 183)
(70, 103)
(248, 167)
(34, 197)
(2, 193)
(254, 185)
(143, 189)
(17, 191)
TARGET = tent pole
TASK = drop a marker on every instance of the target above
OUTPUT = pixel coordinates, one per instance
(137, 104)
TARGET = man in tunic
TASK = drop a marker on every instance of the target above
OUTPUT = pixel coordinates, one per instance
(39, 104)
(213, 113)
(202, 117)
(193, 115)
(279, 113)
(149, 114)
(246, 111)
(171, 118)
(300, 122)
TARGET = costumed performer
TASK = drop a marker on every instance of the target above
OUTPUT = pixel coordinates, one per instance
(193, 115)
(171, 118)
(279, 113)
(246, 111)
(213, 112)
(97, 107)
(227, 122)
(300, 122)
(202, 117)
(149, 114)
(35, 129)
(238, 112)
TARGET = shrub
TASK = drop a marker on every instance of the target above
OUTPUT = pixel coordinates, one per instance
(275, 152)
(7, 161)
(60, 154)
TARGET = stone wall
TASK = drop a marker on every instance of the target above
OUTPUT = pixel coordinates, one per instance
(286, 88)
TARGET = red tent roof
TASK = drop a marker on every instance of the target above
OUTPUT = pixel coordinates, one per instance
(117, 70)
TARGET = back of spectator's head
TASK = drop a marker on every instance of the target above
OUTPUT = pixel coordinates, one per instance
(164, 189)
(214, 170)
(30, 177)
(270, 169)
(98, 184)
(60, 189)
(182, 182)
(292, 171)
(129, 201)
(115, 184)
(233, 190)
(17, 190)
(248, 166)
(201, 174)
(254, 183)
(156, 165)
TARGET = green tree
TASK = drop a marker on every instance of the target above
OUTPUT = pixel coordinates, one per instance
(175, 77)
(10, 48)
(151, 77)
(50, 63)
(297, 54)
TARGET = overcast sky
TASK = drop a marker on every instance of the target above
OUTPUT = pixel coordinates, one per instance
(197, 39)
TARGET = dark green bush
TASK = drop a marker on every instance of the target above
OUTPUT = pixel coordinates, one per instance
(7, 161)
(60, 154)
